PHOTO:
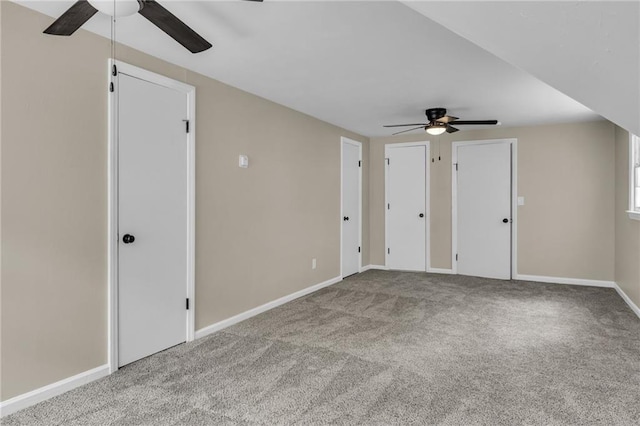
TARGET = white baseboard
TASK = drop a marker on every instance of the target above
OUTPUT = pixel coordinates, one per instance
(561, 280)
(626, 298)
(38, 395)
(54, 389)
(378, 267)
(440, 271)
(430, 270)
(263, 308)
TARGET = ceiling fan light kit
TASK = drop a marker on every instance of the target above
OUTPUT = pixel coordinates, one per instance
(440, 122)
(117, 8)
(436, 128)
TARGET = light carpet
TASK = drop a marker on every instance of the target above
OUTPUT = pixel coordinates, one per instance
(385, 348)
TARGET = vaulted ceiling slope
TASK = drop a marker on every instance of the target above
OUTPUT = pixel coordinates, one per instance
(358, 65)
(589, 50)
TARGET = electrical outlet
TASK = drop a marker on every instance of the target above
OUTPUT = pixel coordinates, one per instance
(313, 263)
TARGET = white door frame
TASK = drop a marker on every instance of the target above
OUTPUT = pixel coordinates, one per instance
(112, 178)
(514, 200)
(348, 141)
(427, 177)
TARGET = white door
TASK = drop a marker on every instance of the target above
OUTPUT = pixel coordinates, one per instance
(484, 209)
(351, 163)
(406, 207)
(152, 207)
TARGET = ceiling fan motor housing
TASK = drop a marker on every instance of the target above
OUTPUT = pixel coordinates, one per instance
(435, 113)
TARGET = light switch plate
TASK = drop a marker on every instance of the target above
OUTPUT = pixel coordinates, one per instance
(521, 201)
(243, 161)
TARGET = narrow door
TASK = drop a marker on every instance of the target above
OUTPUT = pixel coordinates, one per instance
(152, 218)
(350, 208)
(406, 207)
(484, 210)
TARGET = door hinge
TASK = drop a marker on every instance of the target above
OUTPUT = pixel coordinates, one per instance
(187, 303)
(456, 257)
(388, 162)
(388, 251)
(359, 163)
(358, 249)
(456, 164)
(111, 87)
(115, 70)
(388, 206)
(186, 122)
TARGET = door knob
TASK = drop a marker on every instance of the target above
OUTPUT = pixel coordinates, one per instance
(505, 220)
(421, 215)
(128, 239)
(345, 218)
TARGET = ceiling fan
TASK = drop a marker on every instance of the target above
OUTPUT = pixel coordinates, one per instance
(83, 10)
(440, 122)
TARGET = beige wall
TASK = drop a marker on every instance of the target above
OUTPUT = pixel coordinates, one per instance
(257, 229)
(565, 173)
(627, 269)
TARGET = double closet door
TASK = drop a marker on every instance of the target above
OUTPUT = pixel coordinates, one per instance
(482, 209)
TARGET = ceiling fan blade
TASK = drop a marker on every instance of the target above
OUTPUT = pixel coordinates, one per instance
(451, 129)
(447, 119)
(174, 27)
(467, 122)
(404, 131)
(72, 19)
(405, 125)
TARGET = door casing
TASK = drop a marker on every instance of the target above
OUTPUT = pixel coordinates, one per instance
(344, 141)
(427, 195)
(112, 179)
(514, 199)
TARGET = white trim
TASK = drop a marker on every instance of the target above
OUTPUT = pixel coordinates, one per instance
(112, 178)
(633, 214)
(365, 268)
(562, 280)
(344, 141)
(427, 177)
(626, 298)
(191, 214)
(378, 267)
(427, 183)
(440, 271)
(514, 207)
(28, 399)
(630, 171)
(405, 270)
(112, 229)
(263, 308)
(514, 200)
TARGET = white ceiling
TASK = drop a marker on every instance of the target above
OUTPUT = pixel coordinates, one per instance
(589, 50)
(358, 65)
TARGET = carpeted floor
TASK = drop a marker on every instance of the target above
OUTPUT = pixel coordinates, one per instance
(384, 348)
